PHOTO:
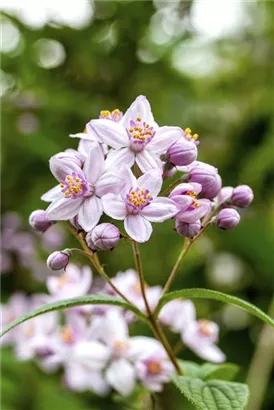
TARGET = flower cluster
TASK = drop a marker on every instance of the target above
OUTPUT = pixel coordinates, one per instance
(92, 343)
(97, 179)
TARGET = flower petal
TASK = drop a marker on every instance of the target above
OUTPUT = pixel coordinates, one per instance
(85, 136)
(64, 208)
(94, 164)
(183, 201)
(192, 215)
(114, 327)
(129, 179)
(60, 167)
(116, 158)
(147, 160)
(139, 108)
(53, 194)
(163, 138)
(151, 180)
(114, 206)
(110, 132)
(94, 355)
(90, 213)
(121, 376)
(138, 228)
(209, 352)
(181, 189)
(160, 209)
(109, 183)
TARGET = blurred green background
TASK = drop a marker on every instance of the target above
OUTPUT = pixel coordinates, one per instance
(203, 65)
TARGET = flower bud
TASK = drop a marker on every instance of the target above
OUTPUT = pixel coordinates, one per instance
(188, 230)
(58, 260)
(225, 194)
(228, 218)
(103, 237)
(242, 196)
(182, 153)
(75, 223)
(39, 221)
(208, 177)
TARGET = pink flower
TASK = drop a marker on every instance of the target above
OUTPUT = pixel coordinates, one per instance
(138, 205)
(178, 314)
(201, 336)
(74, 282)
(136, 137)
(191, 208)
(153, 368)
(17, 306)
(80, 190)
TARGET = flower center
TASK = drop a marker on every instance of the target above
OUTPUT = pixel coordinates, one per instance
(29, 330)
(114, 115)
(119, 348)
(154, 367)
(66, 335)
(189, 136)
(138, 198)
(63, 280)
(193, 195)
(140, 134)
(206, 328)
(74, 186)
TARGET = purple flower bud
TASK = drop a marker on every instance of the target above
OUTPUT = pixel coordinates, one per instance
(188, 230)
(208, 177)
(182, 152)
(103, 237)
(225, 194)
(75, 223)
(39, 221)
(242, 196)
(228, 218)
(58, 260)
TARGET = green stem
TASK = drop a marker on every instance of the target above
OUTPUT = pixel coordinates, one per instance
(156, 328)
(261, 365)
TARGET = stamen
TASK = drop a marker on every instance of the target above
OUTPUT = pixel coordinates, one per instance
(206, 328)
(140, 133)
(114, 115)
(138, 198)
(189, 136)
(66, 335)
(154, 367)
(74, 186)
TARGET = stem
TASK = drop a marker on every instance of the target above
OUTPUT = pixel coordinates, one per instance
(172, 274)
(261, 365)
(171, 186)
(94, 259)
(152, 321)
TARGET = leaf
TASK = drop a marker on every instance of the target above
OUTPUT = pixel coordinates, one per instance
(225, 371)
(208, 371)
(68, 303)
(213, 294)
(213, 394)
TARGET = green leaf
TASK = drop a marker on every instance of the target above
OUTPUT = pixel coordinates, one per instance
(213, 294)
(213, 394)
(68, 303)
(208, 371)
(225, 371)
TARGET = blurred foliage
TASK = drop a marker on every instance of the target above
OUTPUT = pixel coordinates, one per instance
(107, 64)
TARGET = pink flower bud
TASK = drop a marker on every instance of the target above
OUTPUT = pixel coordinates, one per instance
(182, 153)
(39, 221)
(58, 260)
(103, 237)
(188, 230)
(208, 177)
(242, 196)
(228, 218)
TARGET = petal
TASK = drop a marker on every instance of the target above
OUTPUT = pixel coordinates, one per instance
(138, 228)
(139, 108)
(53, 194)
(210, 352)
(64, 208)
(76, 377)
(60, 167)
(181, 189)
(129, 179)
(114, 206)
(160, 209)
(114, 327)
(94, 164)
(147, 160)
(151, 180)
(163, 138)
(192, 215)
(109, 183)
(85, 136)
(116, 158)
(142, 346)
(110, 132)
(97, 383)
(94, 355)
(121, 376)
(90, 213)
(183, 201)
